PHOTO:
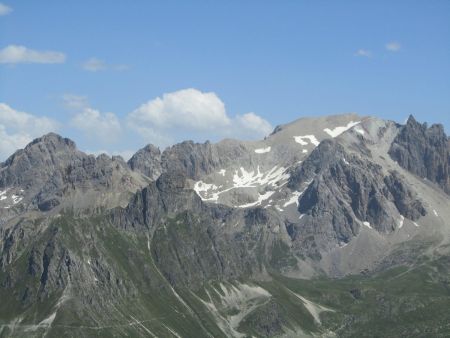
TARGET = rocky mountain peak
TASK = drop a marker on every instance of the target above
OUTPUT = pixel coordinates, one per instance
(55, 140)
(50, 169)
(424, 151)
(147, 161)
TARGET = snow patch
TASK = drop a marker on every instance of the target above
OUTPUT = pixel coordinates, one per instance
(252, 179)
(294, 198)
(400, 221)
(16, 199)
(339, 130)
(222, 172)
(201, 186)
(262, 150)
(274, 178)
(312, 139)
(345, 161)
(304, 151)
(359, 130)
(435, 213)
(367, 224)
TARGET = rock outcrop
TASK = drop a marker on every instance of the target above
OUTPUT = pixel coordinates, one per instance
(424, 151)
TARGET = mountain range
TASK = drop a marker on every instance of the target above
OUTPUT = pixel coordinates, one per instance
(333, 226)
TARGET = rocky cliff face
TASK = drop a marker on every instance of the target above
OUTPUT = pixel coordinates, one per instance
(147, 161)
(345, 193)
(424, 151)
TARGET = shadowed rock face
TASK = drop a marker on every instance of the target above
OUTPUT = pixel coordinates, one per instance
(347, 192)
(424, 151)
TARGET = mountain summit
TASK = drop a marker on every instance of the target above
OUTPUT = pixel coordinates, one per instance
(330, 226)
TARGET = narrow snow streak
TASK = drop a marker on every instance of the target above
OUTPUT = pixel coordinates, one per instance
(262, 150)
(339, 130)
(294, 198)
(400, 222)
(359, 130)
(261, 198)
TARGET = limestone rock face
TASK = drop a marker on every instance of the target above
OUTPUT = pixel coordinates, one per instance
(424, 151)
(346, 193)
(147, 161)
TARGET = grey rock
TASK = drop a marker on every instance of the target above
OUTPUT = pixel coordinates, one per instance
(147, 161)
(424, 151)
(347, 191)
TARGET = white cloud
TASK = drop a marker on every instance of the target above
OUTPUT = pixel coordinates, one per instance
(190, 112)
(186, 109)
(393, 46)
(17, 129)
(21, 121)
(94, 65)
(104, 127)
(251, 125)
(5, 10)
(364, 53)
(19, 54)
(9, 143)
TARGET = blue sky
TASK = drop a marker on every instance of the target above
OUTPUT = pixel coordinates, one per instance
(116, 75)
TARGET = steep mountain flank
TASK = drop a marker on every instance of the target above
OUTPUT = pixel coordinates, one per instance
(347, 192)
(424, 151)
(147, 161)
